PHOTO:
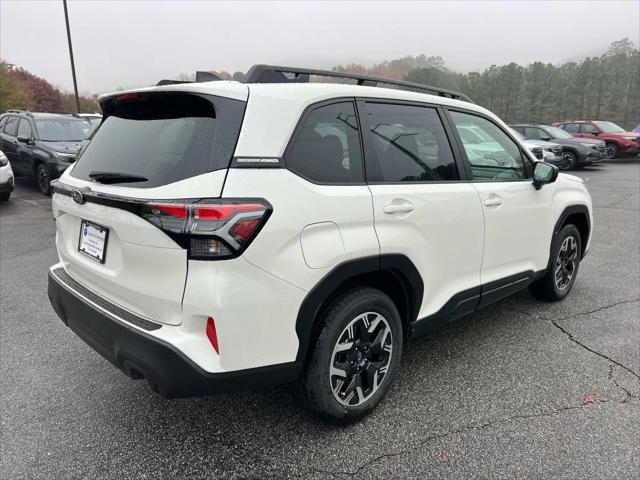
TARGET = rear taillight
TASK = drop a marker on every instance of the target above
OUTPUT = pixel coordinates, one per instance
(210, 229)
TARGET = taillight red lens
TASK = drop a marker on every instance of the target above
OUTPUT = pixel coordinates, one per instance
(212, 335)
(128, 96)
(210, 229)
(175, 210)
(220, 212)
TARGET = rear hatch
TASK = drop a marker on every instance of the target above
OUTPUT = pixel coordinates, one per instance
(154, 153)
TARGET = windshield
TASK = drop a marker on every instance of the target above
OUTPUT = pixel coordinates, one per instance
(609, 127)
(162, 138)
(555, 132)
(61, 129)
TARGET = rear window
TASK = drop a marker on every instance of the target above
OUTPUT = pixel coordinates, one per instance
(162, 137)
(326, 148)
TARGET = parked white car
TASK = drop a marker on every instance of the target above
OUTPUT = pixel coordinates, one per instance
(94, 120)
(7, 182)
(221, 234)
(546, 151)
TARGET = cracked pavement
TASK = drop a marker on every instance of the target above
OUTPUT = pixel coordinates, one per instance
(519, 389)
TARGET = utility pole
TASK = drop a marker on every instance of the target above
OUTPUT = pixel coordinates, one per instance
(73, 66)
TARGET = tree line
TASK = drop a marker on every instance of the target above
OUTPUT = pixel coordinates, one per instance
(604, 87)
(20, 89)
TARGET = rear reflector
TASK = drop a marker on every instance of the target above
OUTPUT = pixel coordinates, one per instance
(128, 96)
(212, 335)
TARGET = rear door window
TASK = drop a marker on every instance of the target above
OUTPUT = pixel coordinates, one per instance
(410, 144)
(326, 148)
(162, 138)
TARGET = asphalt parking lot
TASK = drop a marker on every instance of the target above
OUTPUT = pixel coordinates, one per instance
(520, 389)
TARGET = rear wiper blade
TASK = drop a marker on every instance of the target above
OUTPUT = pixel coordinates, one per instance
(116, 177)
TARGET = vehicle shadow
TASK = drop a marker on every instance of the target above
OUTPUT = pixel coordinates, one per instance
(267, 424)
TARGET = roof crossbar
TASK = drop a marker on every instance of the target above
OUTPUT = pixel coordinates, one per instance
(276, 74)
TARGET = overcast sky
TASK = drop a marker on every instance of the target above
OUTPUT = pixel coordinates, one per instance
(118, 43)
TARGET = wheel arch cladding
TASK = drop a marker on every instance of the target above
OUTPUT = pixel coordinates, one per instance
(393, 274)
(577, 215)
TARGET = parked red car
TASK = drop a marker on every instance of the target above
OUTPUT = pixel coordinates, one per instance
(618, 140)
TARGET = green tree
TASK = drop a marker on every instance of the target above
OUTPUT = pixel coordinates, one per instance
(12, 93)
(604, 87)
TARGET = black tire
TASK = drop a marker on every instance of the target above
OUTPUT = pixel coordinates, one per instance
(613, 151)
(43, 179)
(548, 287)
(315, 388)
(4, 196)
(569, 160)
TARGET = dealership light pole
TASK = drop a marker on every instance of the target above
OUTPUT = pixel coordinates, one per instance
(73, 66)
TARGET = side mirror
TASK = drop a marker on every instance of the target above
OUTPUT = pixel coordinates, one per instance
(546, 139)
(24, 139)
(544, 173)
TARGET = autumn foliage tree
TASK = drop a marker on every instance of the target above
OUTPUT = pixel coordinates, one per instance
(45, 97)
(12, 92)
(21, 89)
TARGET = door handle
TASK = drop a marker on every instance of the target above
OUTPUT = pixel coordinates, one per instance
(493, 201)
(405, 207)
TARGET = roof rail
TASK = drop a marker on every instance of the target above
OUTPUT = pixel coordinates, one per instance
(276, 74)
(17, 110)
(73, 114)
(200, 77)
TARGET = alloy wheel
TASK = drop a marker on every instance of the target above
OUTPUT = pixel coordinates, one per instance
(568, 161)
(566, 262)
(360, 359)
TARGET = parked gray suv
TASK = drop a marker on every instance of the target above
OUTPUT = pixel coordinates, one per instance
(577, 152)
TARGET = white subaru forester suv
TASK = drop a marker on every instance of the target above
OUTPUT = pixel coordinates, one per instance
(219, 235)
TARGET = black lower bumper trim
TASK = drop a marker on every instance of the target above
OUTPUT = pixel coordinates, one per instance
(140, 355)
(6, 187)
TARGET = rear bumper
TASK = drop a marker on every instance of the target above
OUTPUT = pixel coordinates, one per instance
(140, 355)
